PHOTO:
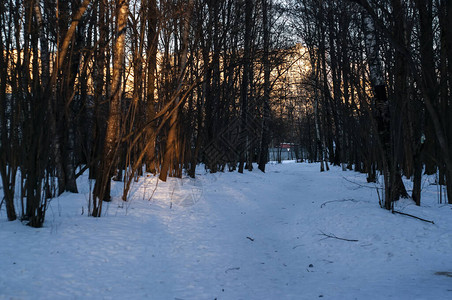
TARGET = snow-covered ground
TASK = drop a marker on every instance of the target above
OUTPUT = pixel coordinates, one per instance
(234, 236)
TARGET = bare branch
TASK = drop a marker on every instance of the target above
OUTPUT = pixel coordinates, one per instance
(335, 237)
(343, 200)
(408, 215)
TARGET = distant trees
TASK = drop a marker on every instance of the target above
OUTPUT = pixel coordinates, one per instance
(381, 68)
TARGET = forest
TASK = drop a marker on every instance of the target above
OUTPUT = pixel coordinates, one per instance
(125, 89)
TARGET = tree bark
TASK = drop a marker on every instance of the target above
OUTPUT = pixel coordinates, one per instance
(152, 18)
(101, 190)
(381, 108)
(245, 82)
(171, 159)
(263, 158)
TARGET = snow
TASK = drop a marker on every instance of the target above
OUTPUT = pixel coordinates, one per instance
(234, 236)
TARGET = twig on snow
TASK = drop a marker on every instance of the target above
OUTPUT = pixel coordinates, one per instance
(335, 237)
(408, 215)
(155, 188)
(379, 199)
(232, 269)
(343, 200)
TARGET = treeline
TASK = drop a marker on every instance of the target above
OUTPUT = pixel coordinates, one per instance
(125, 87)
(381, 88)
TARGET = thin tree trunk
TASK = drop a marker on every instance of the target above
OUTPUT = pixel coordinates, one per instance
(263, 158)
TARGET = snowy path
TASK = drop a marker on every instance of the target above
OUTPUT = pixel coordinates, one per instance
(234, 236)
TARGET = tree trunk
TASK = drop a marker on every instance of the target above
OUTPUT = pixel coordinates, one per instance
(8, 166)
(101, 190)
(171, 159)
(263, 157)
(245, 82)
(152, 19)
(381, 108)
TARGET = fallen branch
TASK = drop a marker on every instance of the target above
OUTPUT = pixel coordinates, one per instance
(335, 237)
(156, 185)
(408, 215)
(358, 184)
(232, 269)
(343, 200)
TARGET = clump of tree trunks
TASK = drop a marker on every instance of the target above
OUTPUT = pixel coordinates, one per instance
(125, 87)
